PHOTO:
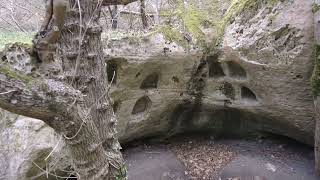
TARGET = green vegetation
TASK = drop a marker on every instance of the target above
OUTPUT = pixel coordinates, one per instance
(238, 6)
(192, 19)
(315, 7)
(189, 21)
(12, 37)
(183, 21)
(315, 79)
(122, 172)
(173, 34)
(15, 75)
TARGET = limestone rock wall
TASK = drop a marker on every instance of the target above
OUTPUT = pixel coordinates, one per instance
(257, 80)
(275, 48)
(151, 80)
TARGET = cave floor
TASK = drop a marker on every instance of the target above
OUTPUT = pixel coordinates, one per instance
(199, 157)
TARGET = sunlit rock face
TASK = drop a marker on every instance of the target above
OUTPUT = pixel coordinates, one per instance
(257, 80)
(274, 47)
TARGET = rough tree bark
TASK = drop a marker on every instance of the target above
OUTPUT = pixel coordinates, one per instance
(113, 14)
(316, 82)
(143, 14)
(67, 89)
(116, 2)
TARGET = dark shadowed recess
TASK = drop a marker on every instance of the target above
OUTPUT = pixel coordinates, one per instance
(236, 71)
(248, 94)
(142, 105)
(112, 70)
(151, 81)
(215, 68)
(229, 122)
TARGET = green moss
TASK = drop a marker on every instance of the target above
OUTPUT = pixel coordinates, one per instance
(122, 173)
(182, 20)
(315, 7)
(235, 9)
(15, 75)
(12, 37)
(192, 20)
(272, 2)
(315, 79)
(172, 34)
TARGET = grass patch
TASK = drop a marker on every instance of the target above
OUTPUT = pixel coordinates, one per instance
(12, 37)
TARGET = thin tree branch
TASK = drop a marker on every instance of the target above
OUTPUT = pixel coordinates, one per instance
(117, 2)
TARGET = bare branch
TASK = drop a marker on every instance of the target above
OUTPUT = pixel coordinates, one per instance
(117, 2)
(136, 13)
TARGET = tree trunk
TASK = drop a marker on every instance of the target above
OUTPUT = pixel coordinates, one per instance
(143, 14)
(316, 82)
(68, 91)
(91, 78)
(114, 18)
(317, 135)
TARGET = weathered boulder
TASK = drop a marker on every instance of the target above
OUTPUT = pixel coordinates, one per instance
(25, 152)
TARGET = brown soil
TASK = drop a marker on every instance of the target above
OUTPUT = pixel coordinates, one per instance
(204, 159)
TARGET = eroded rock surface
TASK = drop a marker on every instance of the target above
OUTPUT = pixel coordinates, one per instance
(148, 86)
(275, 49)
(26, 150)
(257, 80)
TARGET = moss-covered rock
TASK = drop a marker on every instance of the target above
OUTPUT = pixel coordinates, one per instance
(14, 74)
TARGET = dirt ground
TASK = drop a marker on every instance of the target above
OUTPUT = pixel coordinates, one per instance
(200, 157)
